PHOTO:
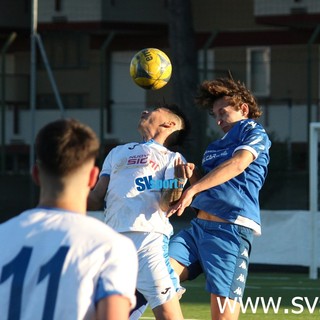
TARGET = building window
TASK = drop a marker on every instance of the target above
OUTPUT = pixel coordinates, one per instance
(206, 64)
(67, 50)
(258, 71)
(69, 101)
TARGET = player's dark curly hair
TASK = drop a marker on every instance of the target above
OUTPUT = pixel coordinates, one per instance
(179, 137)
(237, 93)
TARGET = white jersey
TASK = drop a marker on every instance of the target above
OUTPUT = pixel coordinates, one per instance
(132, 202)
(56, 264)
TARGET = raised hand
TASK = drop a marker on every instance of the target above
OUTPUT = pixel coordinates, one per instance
(183, 170)
(184, 201)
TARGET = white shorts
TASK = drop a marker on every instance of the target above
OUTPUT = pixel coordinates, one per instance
(157, 281)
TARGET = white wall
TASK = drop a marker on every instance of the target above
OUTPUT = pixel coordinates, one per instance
(282, 122)
(285, 240)
(128, 101)
(42, 117)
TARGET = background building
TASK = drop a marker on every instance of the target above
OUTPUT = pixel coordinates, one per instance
(271, 45)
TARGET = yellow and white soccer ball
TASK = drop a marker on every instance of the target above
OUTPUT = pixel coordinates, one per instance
(150, 68)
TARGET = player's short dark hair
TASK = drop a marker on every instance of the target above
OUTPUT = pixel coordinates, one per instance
(64, 145)
(182, 134)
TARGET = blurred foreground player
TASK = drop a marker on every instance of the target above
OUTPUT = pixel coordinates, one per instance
(55, 262)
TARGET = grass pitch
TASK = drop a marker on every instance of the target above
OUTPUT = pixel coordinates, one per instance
(269, 296)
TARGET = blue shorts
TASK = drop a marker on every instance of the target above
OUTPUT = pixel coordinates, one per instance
(220, 250)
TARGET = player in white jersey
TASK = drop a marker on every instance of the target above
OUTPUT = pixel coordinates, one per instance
(136, 170)
(55, 262)
(138, 181)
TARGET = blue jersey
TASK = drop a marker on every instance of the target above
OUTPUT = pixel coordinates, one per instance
(237, 200)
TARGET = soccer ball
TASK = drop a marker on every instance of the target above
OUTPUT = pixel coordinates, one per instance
(150, 68)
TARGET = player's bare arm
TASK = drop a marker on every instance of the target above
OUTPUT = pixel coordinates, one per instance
(96, 195)
(224, 172)
(194, 174)
(114, 307)
(182, 171)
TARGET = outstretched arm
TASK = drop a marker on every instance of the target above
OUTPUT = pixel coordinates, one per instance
(224, 172)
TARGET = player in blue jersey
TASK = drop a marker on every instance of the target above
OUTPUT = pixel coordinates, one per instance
(56, 263)
(226, 198)
(138, 182)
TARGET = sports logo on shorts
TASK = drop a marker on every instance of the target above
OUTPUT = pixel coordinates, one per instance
(245, 253)
(238, 291)
(165, 290)
(241, 278)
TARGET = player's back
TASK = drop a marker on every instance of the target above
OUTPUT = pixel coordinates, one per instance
(57, 265)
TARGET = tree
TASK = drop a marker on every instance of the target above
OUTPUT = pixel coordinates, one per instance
(185, 73)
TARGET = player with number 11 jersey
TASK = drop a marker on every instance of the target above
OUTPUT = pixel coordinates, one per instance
(41, 278)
